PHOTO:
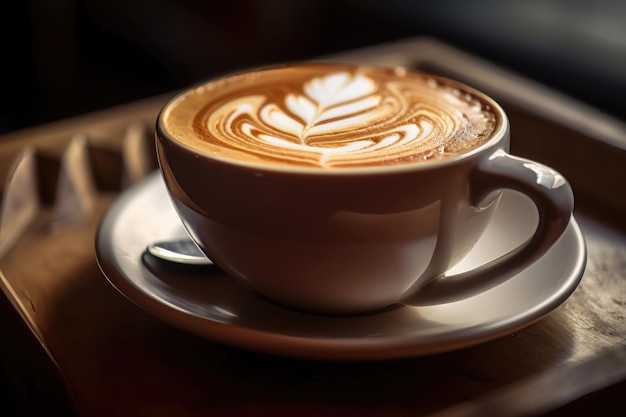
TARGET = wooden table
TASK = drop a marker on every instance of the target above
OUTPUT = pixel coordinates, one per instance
(71, 344)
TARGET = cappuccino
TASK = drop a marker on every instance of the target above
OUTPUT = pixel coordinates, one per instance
(346, 189)
(331, 116)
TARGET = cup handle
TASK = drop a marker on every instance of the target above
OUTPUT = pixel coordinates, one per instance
(549, 191)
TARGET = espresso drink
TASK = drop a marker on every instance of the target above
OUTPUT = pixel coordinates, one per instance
(331, 117)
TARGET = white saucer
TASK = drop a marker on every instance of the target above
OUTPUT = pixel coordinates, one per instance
(208, 303)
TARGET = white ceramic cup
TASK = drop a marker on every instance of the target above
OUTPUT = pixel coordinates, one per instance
(360, 239)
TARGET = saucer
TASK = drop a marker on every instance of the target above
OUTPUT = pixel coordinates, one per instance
(206, 302)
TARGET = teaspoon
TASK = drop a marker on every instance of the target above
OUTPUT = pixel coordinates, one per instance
(182, 251)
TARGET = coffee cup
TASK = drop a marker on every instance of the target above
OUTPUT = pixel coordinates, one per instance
(342, 189)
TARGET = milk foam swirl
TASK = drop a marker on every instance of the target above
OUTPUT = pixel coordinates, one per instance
(343, 117)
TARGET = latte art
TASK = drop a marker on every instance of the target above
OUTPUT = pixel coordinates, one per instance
(331, 116)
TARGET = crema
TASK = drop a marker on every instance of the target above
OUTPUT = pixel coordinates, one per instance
(331, 116)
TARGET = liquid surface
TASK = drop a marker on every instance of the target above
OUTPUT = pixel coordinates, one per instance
(331, 116)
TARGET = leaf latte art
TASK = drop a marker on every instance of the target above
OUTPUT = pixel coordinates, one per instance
(332, 116)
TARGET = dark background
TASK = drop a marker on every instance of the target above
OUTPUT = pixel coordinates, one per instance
(62, 58)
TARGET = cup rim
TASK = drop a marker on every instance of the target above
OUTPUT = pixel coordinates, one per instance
(500, 131)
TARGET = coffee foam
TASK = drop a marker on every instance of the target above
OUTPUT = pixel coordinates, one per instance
(331, 116)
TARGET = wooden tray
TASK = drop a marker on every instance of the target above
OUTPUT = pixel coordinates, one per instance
(73, 345)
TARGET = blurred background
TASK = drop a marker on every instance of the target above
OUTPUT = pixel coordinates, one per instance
(62, 58)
